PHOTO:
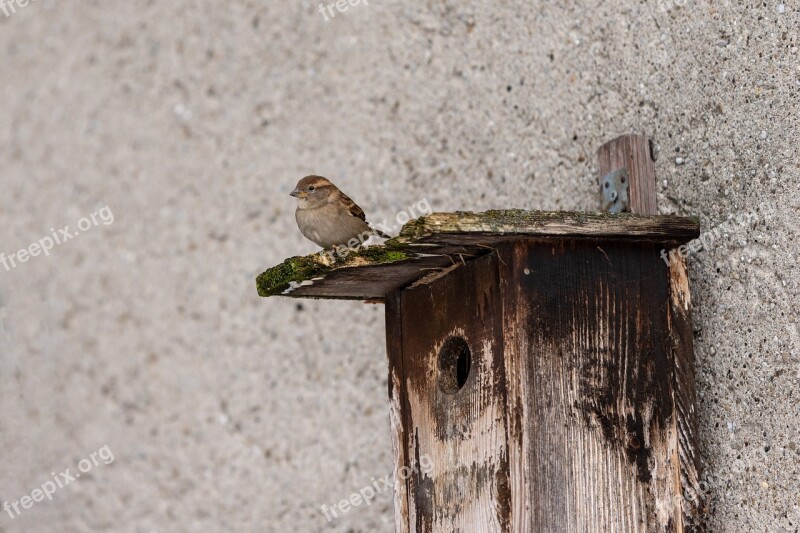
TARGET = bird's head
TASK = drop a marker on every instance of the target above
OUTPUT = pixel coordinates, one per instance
(312, 191)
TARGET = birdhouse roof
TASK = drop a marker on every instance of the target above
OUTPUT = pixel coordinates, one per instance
(431, 246)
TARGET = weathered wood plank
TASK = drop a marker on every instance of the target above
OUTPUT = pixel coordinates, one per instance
(398, 408)
(560, 224)
(366, 274)
(685, 395)
(463, 430)
(635, 153)
(518, 386)
(591, 426)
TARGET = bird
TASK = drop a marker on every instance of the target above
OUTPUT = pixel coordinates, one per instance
(328, 217)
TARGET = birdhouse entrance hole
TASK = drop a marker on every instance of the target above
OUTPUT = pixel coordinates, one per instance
(454, 365)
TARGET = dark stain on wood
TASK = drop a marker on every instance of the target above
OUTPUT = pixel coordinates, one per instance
(593, 345)
(598, 312)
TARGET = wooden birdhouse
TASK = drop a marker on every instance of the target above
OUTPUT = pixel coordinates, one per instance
(542, 360)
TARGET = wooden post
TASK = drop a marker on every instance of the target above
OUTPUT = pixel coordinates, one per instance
(634, 152)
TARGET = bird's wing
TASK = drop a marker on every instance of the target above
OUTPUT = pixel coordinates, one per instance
(352, 207)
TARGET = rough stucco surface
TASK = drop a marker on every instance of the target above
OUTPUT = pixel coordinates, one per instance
(192, 120)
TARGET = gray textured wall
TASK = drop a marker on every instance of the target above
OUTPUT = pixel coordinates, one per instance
(191, 121)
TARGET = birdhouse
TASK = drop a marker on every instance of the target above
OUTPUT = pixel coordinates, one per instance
(542, 361)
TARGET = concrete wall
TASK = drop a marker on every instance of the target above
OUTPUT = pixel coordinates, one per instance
(192, 121)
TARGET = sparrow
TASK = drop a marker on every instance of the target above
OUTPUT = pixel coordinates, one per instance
(327, 216)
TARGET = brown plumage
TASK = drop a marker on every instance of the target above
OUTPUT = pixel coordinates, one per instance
(327, 216)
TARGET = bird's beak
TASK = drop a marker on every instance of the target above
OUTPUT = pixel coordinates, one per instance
(297, 193)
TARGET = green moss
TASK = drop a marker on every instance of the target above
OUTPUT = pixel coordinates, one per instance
(395, 242)
(372, 254)
(295, 269)
(411, 230)
(582, 218)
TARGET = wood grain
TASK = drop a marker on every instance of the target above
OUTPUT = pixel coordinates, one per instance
(592, 434)
(635, 153)
(685, 394)
(464, 433)
(519, 223)
(398, 408)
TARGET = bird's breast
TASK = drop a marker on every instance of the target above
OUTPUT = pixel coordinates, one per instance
(328, 226)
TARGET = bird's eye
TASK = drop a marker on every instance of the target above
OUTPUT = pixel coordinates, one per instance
(311, 188)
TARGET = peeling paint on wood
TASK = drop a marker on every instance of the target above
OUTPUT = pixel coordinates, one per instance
(679, 281)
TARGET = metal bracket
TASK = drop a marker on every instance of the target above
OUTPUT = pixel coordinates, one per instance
(614, 189)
